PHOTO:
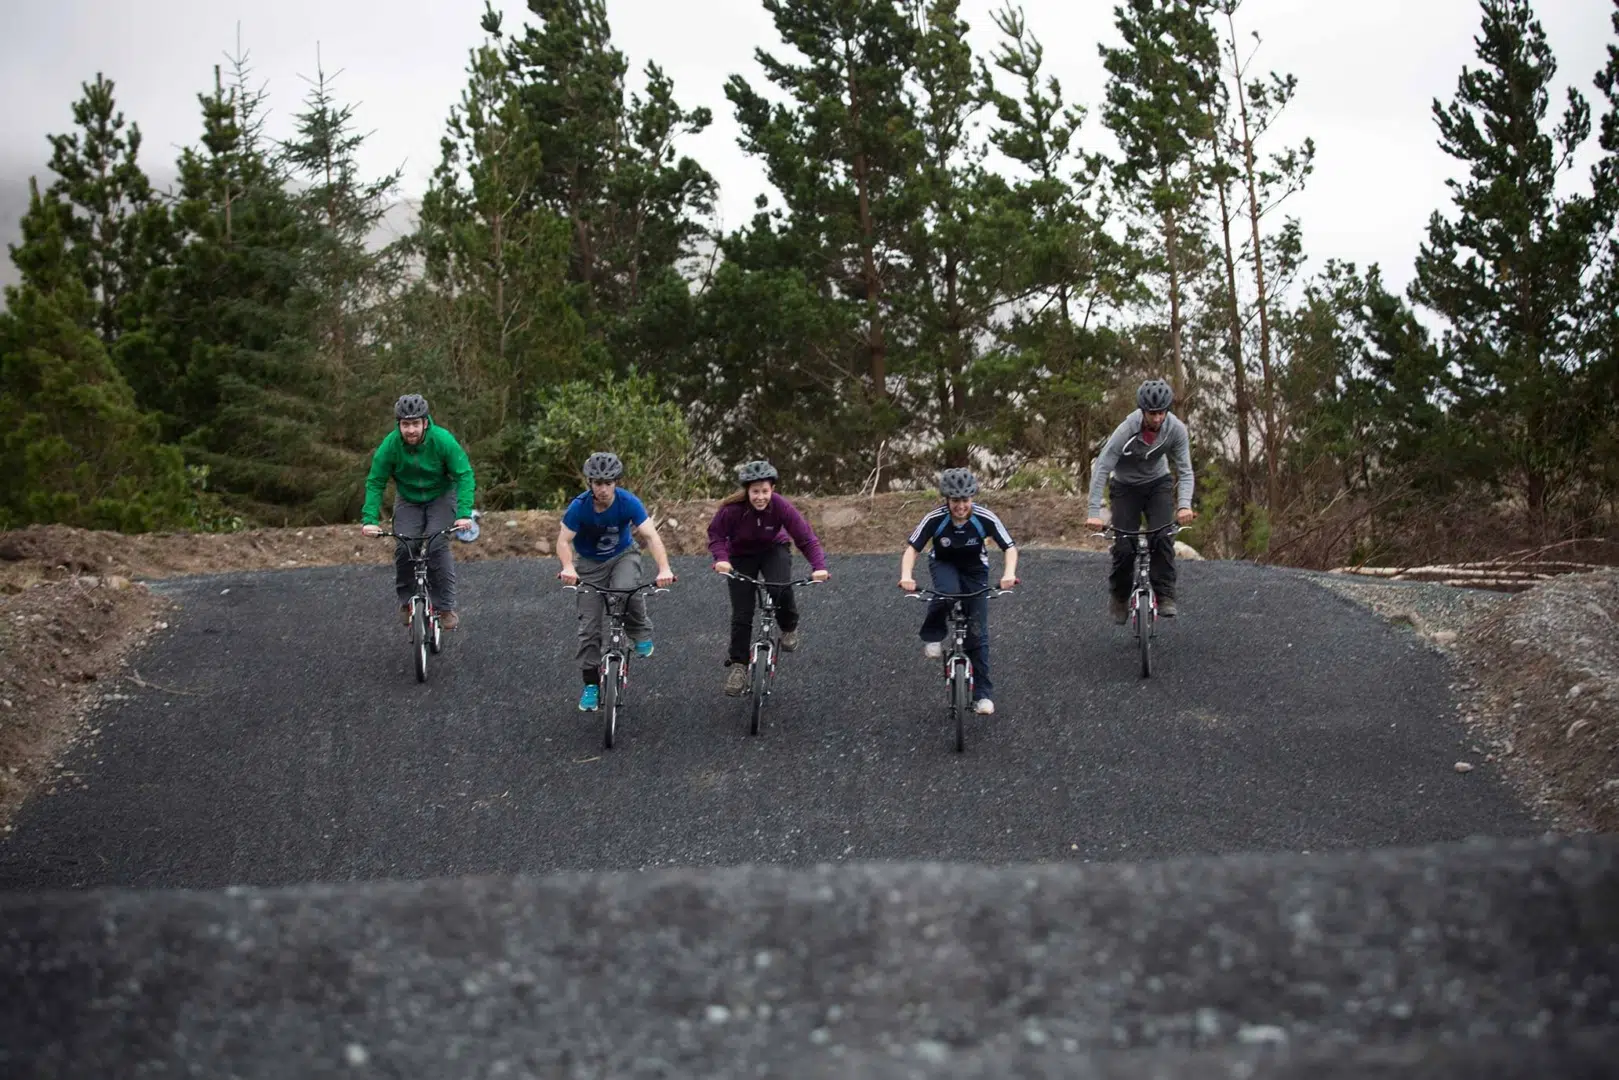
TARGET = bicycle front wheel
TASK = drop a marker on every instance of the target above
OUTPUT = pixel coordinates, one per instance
(418, 638)
(612, 693)
(759, 672)
(960, 703)
(1144, 633)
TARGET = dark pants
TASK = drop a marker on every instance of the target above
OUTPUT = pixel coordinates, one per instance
(775, 565)
(1155, 500)
(419, 519)
(947, 577)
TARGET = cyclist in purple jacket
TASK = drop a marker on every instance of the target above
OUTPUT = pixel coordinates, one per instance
(750, 534)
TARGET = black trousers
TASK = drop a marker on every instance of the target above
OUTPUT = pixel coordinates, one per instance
(1156, 501)
(775, 565)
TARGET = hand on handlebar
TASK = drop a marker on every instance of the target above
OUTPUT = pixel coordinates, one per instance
(1093, 523)
(462, 523)
(1185, 516)
(666, 578)
(908, 584)
(820, 575)
(722, 567)
(371, 530)
(569, 575)
(1008, 582)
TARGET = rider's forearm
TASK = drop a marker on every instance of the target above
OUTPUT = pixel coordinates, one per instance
(1011, 563)
(907, 562)
(565, 548)
(654, 544)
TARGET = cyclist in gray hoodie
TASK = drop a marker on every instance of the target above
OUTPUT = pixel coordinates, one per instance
(1137, 460)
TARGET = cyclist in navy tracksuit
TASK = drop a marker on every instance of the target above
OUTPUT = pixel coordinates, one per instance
(960, 532)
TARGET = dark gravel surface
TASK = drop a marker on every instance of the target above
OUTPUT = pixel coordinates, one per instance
(286, 740)
(1491, 959)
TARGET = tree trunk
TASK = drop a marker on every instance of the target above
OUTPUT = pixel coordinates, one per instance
(1272, 448)
(1172, 253)
(1239, 369)
(876, 346)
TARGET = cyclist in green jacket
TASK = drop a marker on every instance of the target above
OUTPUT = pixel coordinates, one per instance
(433, 489)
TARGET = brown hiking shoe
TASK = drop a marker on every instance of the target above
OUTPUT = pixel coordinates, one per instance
(404, 609)
(789, 640)
(449, 620)
(1119, 608)
(736, 679)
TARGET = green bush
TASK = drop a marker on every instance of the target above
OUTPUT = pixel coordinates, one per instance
(626, 416)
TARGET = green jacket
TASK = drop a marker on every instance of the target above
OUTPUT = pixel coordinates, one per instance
(420, 473)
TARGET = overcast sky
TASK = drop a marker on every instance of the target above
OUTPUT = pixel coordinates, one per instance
(1368, 71)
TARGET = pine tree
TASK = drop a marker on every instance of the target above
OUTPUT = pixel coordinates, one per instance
(1273, 258)
(1157, 92)
(841, 152)
(110, 232)
(491, 322)
(1506, 273)
(634, 208)
(1056, 357)
(76, 449)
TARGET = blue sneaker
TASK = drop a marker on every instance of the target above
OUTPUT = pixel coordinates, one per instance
(643, 649)
(590, 697)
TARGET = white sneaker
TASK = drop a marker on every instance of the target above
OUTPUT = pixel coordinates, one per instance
(983, 706)
(933, 650)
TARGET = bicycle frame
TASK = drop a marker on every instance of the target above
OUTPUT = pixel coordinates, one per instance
(766, 645)
(615, 658)
(958, 666)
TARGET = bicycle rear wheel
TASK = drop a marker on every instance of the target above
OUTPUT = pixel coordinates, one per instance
(611, 691)
(960, 703)
(759, 676)
(1144, 632)
(418, 638)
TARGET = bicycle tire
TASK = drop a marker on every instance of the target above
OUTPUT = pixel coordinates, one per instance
(759, 677)
(959, 704)
(611, 673)
(1144, 633)
(418, 638)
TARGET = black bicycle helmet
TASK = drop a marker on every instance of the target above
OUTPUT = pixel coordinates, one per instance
(603, 466)
(958, 484)
(1155, 395)
(410, 407)
(754, 471)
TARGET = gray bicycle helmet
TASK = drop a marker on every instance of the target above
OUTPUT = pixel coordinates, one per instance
(410, 407)
(1155, 395)
(603, 466)
(958, 484)
(754, 471)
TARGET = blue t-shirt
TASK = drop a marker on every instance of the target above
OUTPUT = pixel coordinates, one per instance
(604, 535)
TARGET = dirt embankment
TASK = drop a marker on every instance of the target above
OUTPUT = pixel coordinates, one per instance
(1539, 671)
(848, 525)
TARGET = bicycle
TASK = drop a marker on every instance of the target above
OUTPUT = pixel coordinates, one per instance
(425, 633)
(615, 658)
(1143, 603)
(766, 643)
(958, 667)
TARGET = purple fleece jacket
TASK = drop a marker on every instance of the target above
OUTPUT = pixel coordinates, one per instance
(739, 529)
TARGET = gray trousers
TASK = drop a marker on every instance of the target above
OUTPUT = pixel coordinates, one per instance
(622, 571)
(419, 519)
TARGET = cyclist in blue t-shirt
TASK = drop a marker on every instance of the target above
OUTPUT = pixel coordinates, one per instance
(595, 547)
(960, 532)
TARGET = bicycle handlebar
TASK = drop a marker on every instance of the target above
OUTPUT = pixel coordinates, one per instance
(1113, 530)
(989, 592)
(452, 530)
(771, 584)
(655, 588)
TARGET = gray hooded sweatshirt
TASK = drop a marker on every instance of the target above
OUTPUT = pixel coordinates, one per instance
(1132, 461)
